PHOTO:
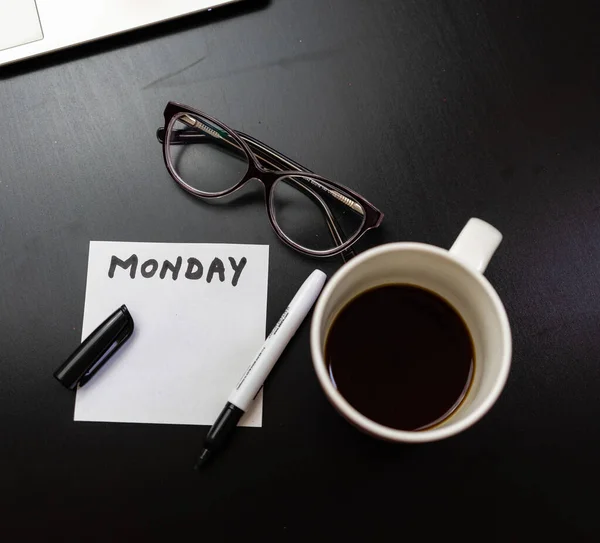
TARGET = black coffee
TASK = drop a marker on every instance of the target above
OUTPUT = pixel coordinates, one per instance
(401, 355)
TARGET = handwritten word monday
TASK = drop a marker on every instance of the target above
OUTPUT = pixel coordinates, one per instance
(193, 270)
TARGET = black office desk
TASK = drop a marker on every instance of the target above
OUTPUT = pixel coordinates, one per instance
(434, 111)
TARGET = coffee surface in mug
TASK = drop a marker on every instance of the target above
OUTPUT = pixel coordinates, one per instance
(401, 355)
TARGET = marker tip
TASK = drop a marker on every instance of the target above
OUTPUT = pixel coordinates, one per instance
(202, 459)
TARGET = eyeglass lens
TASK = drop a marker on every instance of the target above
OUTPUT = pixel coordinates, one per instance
(306, 209)
(204, 156)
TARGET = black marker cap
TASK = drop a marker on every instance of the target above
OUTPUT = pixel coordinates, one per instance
(97, 348)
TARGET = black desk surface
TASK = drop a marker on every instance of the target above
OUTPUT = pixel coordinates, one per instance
(436, 112)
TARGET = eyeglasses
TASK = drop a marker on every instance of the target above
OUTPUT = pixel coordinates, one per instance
(308, 212)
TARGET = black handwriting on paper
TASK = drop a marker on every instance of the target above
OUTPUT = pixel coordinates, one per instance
(148, 268)
(193, 271)
(131, 262)
(237, 269)
(216, 266)
(174, 269)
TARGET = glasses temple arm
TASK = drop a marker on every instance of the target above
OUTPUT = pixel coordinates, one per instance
(292, 165)
(190, 136)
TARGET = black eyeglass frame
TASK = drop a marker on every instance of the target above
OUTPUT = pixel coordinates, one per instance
(372, 216)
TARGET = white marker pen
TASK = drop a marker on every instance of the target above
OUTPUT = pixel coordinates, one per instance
(246, 390)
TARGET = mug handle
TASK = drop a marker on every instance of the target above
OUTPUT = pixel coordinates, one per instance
(476, 244)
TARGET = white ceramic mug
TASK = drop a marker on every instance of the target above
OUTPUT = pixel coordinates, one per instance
(457, 276)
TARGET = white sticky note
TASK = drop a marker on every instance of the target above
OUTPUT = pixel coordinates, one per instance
(196, 329)
(19, 23)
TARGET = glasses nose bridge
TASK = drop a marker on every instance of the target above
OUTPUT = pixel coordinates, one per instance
(266, 177)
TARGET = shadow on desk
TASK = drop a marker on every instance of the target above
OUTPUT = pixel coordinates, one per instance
(133, 37)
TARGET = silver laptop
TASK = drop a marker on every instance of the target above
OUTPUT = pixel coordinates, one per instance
(32, 27)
